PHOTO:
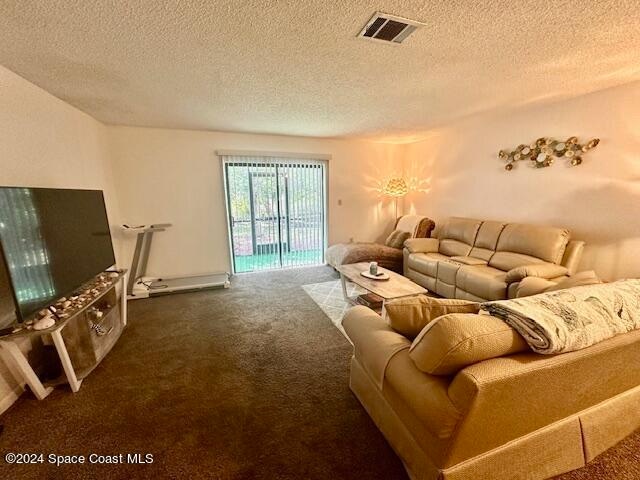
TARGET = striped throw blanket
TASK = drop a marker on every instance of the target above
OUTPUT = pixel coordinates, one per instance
(572, 319)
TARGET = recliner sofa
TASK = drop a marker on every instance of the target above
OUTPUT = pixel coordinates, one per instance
(482, 260)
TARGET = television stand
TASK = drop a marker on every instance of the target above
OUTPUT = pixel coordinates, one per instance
(85, 331)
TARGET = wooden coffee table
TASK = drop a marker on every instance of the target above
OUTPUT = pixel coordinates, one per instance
(396, 287)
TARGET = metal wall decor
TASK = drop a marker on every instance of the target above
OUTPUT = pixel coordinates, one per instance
(544, 151)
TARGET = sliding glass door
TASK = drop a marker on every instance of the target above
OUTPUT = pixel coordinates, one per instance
(276, 212)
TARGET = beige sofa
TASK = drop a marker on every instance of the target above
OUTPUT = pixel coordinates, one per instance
(517, 415)
(388, 257)
(485, 260)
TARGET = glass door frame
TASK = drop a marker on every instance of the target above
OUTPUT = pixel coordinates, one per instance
(274, 159)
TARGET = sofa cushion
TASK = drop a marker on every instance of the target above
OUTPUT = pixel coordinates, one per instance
(462, 229)
(487, 239)
(482, 253)
(425, 263)
(546, 243)
(469, 260)
(509, 260)
(451, 247)
(452, 342)
(409, 316)
(397, 238)
(457, 236)
(482, 281)
(488, 235)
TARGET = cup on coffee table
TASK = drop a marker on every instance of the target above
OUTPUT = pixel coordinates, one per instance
(373, 268)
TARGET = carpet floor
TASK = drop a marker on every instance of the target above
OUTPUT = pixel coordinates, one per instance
(245, 383)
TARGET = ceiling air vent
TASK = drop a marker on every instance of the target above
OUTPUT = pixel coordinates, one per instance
(389, 28)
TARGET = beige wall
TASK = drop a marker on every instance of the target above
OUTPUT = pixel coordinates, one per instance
(175, 176)
(598, 201)
(47, 143)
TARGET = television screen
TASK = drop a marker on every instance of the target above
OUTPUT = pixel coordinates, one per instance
(53, 241)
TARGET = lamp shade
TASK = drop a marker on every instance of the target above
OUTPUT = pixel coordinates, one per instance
(396, 187)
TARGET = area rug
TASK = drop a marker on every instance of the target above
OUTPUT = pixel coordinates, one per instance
(330, 299)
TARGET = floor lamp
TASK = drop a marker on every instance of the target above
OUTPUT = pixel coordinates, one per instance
(396, 188)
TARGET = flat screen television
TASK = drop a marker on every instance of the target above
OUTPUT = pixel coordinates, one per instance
(53, 241)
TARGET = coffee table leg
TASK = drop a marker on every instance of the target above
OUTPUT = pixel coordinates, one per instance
(343, 281)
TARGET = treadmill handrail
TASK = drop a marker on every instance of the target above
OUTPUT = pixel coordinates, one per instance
(157, 227)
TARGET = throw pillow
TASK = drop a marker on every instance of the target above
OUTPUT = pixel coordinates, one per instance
(409, 316)
(397, 239)
(452, 342)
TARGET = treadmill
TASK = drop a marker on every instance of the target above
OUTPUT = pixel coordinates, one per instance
(141, 286)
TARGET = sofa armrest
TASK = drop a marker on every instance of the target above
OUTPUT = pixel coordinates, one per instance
(422, 245)
(542, 270)
(374, 341)
(572, 255)
(533, 286)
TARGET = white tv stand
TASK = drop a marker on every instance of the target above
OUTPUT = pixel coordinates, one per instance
(81, 339)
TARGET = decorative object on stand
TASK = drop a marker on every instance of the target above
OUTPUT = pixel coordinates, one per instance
(83, 328)
(373, 268)
(374, 273)
(396, 187)
(543, 152)
(67, 307)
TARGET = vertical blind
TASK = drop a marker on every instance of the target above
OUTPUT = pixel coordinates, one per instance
(276, 211)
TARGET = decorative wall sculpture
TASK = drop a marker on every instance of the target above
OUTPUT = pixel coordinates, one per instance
(544, 151)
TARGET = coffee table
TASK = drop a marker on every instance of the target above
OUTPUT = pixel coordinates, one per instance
(396, 287)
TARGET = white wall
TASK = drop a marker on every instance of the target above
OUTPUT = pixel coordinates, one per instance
(175, 176)
(45, 142)
(598, 201)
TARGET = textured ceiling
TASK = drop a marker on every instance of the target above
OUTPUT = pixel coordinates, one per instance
(297, 68)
